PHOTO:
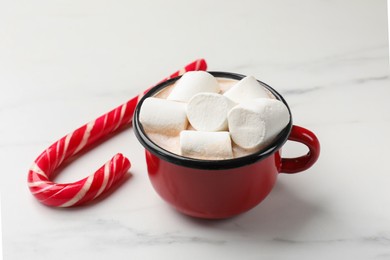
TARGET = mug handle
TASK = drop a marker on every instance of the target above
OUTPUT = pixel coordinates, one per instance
(298, 164)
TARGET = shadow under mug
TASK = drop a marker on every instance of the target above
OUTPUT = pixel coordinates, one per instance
(216, 189)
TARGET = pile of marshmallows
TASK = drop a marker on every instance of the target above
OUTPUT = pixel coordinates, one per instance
(245, 113)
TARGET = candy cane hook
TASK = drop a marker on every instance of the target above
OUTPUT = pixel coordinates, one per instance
(77, 193)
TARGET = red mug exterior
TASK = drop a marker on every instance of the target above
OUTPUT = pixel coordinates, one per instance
(222, 189)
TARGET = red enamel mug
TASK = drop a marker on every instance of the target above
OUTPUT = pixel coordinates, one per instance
(216, 189)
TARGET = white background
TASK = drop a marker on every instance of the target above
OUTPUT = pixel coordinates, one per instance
(44, 61)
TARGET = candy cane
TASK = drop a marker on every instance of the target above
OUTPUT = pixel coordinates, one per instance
(77, 193)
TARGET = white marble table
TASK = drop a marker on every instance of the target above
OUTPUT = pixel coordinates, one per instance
(63, 63)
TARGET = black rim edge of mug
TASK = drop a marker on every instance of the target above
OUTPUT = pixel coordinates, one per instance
(208, 164)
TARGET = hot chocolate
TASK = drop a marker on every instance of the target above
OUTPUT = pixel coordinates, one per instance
(170, 140)
(220, 188)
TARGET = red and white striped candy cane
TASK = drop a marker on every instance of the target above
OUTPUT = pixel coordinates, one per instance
(77, 193)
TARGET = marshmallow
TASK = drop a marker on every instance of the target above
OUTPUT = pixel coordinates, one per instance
(206, 145)
(208, 111)
(192, 83)
(255, 124)
(246, 90)
(163, 116)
